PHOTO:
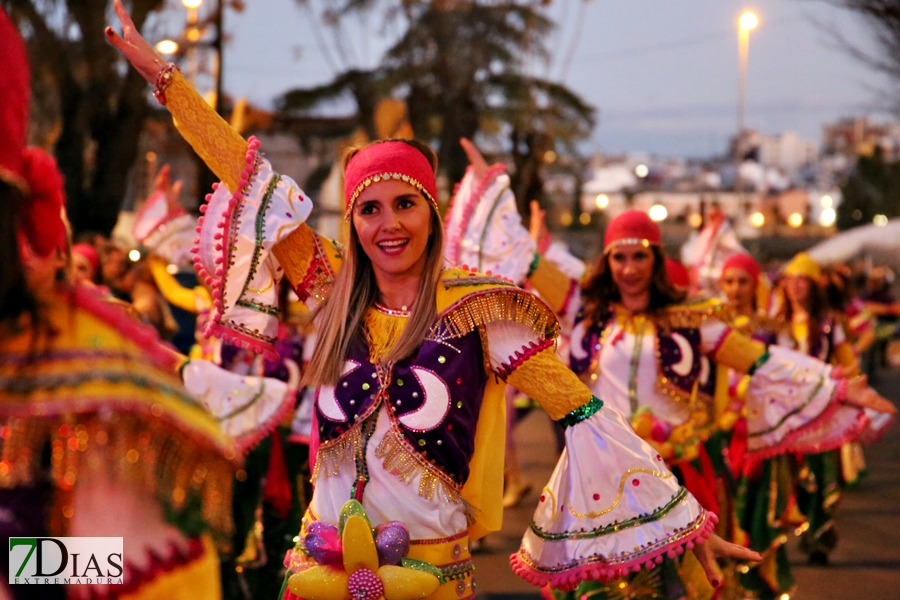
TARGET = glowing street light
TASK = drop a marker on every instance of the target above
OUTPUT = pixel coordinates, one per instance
(658, 212)
(748, 21)
(167, 47)
(757, 219)
(826, 201)
(795, 220)
(584, 218)
(192, 4)
(880, 220)
(601, 201)
(134, 255)
(642, 171)
(828, 217)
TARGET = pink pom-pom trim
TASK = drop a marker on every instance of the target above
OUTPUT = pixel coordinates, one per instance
(794, 443)
(216, 280)
(569, 579)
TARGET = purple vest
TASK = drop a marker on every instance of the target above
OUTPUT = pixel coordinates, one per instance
(433, 398)
(681, 362)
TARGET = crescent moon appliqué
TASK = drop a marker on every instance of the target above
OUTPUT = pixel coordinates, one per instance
(683, 366)
(575, 349)
(704, 370)
(436, 405)
(327, 401)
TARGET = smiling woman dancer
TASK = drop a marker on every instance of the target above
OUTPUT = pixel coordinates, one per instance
(410, 367)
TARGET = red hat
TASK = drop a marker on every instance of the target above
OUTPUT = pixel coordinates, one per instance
(678, 273)
(631, 227)
(745, 263)
(89, 253)
(388, 160)
(31, 170)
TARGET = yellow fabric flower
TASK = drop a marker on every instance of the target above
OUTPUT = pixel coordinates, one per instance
(361, 577)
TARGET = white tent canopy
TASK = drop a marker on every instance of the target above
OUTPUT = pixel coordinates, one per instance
(878, 242)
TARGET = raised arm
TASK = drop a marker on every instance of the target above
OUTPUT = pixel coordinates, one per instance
(220, 146)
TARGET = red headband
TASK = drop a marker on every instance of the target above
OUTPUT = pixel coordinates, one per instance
(743, 262)
(631, 227)
(388, 160)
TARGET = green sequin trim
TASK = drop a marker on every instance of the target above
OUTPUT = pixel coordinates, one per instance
(615, 526)
(534, 265)
(582, 412)
(260, 231)
(265, 309)
(758, 363)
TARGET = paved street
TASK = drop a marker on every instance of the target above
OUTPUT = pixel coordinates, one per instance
(866, 563)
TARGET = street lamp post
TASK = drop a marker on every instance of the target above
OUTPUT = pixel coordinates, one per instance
(747, 22)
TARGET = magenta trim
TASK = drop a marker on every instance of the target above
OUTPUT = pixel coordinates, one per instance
(216, 280)
(520, 357)
(143, 335)
(478, 190)
(158, 566)
(236, 338)
(793, 442)
(720, 341)
(871, 435)
(569, 579)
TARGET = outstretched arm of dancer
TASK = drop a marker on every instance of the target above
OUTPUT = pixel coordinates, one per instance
(220, 146)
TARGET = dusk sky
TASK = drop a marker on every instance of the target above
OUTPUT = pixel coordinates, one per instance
(662, 73)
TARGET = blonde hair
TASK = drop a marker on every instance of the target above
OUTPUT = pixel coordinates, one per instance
(340, 319)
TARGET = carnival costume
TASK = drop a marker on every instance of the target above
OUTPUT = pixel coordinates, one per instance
(97, 434)
(821, 482)
(763, 489)
(420, 441)
(664, 369)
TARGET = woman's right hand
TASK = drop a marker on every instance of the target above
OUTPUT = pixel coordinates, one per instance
(861, 395)
(136, 49)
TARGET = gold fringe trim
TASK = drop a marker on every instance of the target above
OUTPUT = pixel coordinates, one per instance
(150, 453)
(479, 309)
(405, 463)
(334, 454)
(693, 315)
(382, 331)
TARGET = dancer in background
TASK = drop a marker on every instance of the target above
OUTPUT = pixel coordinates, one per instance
(99, 438)
(812, 329)
(655, 359)
(715, 243)
(763, 489)
(409, 362)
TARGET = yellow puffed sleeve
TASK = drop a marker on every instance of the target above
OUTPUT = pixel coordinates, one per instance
(550, 383)
(221, 147)
(310, 262)
(739, 351)
(552, 284)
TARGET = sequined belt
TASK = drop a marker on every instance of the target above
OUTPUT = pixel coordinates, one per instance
(451, 555)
